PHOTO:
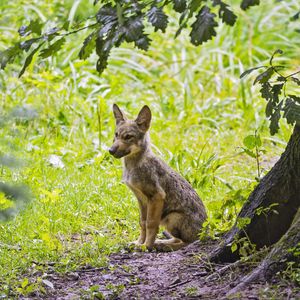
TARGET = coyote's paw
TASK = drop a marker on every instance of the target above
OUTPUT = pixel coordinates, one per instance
(168, 245)
(137, 246)
(161, 247)
(136, 243)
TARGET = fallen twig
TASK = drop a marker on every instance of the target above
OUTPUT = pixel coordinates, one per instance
(90, 270)
(178, 284)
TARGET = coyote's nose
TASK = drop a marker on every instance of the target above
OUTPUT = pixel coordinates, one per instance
(113, 149)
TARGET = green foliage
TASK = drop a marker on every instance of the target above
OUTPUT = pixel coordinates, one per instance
(247, 3)
(292, 272)
(252, 141)
(27, 288)
(267, 210)
(243, 245)
(273, 89)
(252, 147)
(34, 27)
(157, 18)
(191, 291)
(52, 48)
(225, 13)
(59, 124)
(203, 29)
(117, 22)
(92, 293)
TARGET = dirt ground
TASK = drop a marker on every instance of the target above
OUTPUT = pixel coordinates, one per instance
(184, 274)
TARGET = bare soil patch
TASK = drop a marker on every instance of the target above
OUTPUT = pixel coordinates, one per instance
(184, 274)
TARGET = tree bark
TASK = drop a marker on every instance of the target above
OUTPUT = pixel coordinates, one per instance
(276, 260)
(281, 186)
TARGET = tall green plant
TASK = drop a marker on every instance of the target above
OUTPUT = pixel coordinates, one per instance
(122, 21)
(281, 102)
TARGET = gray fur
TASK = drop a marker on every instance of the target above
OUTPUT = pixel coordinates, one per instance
(151, 179)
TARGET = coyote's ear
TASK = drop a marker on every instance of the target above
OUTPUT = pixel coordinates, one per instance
(144, 118)
(118, 114)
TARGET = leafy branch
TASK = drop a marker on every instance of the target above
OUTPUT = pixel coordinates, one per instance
(273, 89)
(119, 21)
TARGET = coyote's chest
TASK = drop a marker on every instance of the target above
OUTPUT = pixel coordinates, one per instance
(140, 184)
(137, 190)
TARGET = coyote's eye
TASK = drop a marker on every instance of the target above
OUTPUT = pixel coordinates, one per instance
(127, 137)
(116, 134)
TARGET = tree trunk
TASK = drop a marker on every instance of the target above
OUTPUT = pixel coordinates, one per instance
(276, 260)
(280, 187)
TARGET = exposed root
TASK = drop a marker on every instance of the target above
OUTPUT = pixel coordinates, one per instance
(255, 275)
(230, 267)
(275, 261)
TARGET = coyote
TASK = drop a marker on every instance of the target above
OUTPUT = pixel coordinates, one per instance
(165, 198)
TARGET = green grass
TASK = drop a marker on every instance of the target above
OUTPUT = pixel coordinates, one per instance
(202, 111)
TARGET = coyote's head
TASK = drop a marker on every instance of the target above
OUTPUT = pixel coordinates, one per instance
(130, 135)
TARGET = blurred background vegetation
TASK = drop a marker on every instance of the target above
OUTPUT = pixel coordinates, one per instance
(57, 124)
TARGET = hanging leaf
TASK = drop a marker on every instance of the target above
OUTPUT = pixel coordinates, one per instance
(29, 58)
(265, 91)
(51, 34)
(292, 111)
(99, 45)
(88, 46)
(118, 36)
(250, 71)
(274, 120)
(8, 56)
(34, 27)
(194, 6)
(248, 3)
(143, 42)
(265, 76)
(133, 29)
(281, 78)
(27, 44)
(272, 96)
(103, 48)
(107, 29)
(23, 30)
(203, 29)
(296, 80)
(107, 14)
(52, 49)
(276, 91)
(157, 18)
(225, 14)
(270, 108)
(179, 5)
(101, 64)
(183, 20)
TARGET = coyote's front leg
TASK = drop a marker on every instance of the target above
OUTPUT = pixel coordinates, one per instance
(143, 219)
(154, 213)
